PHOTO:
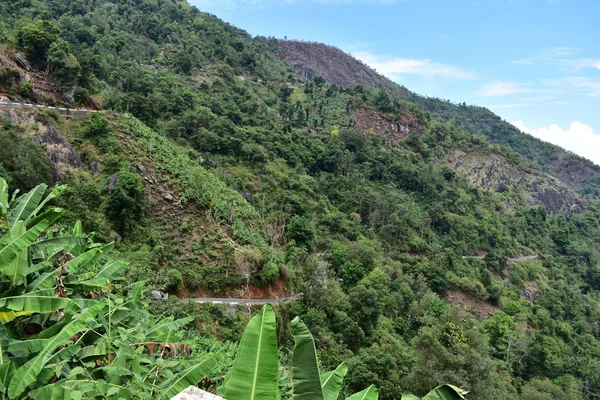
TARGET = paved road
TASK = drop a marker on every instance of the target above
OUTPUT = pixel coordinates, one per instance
(68, 111)
(514, 259)
(216, 300)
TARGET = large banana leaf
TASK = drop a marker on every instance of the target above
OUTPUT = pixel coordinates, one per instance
(306, 377)
(443, 392)
(191, 376)
(166, 327)
(369, 393)
(255, 368)
(36, 302)
(332, 381)
(17, 268)
(12, 246)
(3, 197)
(26, 205)
(47, 249)
(27, 374)
(54, 194)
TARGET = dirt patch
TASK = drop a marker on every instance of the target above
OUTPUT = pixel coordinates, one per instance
(369, 121)
(276, 290)
(482, 310)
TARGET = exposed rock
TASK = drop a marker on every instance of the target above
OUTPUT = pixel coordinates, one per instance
(142, 169)
(193, 393)
(113, 182)
(95, 167)
(158, 295)
(529, 295)
(69, 95)
(248, 197)
(497, 174)
(168, 197)
(303, 71)
(21, 61)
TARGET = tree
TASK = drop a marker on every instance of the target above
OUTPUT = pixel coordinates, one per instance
(37, 38)
(126, 202)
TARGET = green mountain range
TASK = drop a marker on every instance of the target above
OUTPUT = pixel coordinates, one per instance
(433, 242)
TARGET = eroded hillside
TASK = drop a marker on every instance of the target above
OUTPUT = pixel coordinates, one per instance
(309, 59)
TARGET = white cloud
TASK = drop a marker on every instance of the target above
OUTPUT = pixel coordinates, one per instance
(509, 105)
(578, 138)
(563, 57)
(503, 88)
(582, 85)
(394, 68)
(264, 3)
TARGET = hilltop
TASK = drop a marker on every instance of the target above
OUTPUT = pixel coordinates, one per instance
(310, 59)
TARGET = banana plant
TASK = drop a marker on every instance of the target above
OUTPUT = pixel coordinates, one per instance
(443, 392)
(254, 373)
(91, 339)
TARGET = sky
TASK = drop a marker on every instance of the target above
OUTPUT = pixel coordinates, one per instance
(536, 63)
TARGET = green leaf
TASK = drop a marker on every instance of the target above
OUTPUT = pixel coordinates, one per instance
(12, 246)
(306, 377)
(7, 370)
(46, 249)
(165, 327)
(27, 374)
(3, 196)
(332, 381)
(78, 229)
(17, 268)
(55, 193)
(443, 392)
(255, 368)
(26, 205)
(36, 302)
(369, 393)
(191, 376)
(112, 269)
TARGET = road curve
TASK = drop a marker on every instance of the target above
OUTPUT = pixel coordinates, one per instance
(68, 111)
(216, 300)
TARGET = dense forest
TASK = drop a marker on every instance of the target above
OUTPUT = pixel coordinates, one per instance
(216, 170)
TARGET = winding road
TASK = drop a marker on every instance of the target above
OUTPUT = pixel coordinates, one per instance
(63, 110)
(232, 301)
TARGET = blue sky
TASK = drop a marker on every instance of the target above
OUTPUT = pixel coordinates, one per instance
(536, 63)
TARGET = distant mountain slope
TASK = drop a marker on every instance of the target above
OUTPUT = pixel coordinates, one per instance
(309, 59)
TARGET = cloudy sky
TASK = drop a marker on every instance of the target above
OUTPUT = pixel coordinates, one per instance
(536, 63)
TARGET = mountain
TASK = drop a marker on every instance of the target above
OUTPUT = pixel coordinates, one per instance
(426, 254)
(309, 59)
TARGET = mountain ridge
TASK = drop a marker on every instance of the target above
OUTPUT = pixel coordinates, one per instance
(309, 59)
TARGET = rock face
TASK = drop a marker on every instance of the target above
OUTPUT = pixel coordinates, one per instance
(497, 174)
(193, 393)
(61, 154)
(59, 150)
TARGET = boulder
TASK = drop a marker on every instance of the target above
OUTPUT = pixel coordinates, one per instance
(21, 61)
(193, 393)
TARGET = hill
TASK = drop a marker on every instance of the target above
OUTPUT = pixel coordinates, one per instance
(425, 254)
(309, 59)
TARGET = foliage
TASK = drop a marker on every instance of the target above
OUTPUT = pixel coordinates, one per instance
(69, 328)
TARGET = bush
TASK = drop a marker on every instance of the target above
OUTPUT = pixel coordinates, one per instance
(173, 280)
(303, 231)
(97, 126)
(269, 273)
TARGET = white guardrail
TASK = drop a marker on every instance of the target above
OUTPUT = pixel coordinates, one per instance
(29, 105)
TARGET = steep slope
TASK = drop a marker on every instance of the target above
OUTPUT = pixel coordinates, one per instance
(212, 167)
(310, 59)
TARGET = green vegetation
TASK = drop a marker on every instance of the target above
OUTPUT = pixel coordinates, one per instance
(210, 183)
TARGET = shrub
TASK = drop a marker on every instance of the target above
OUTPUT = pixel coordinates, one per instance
(269, 272)
(173, 280)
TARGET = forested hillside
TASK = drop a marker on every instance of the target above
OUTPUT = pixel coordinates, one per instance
(426, 254)
(312, 59)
